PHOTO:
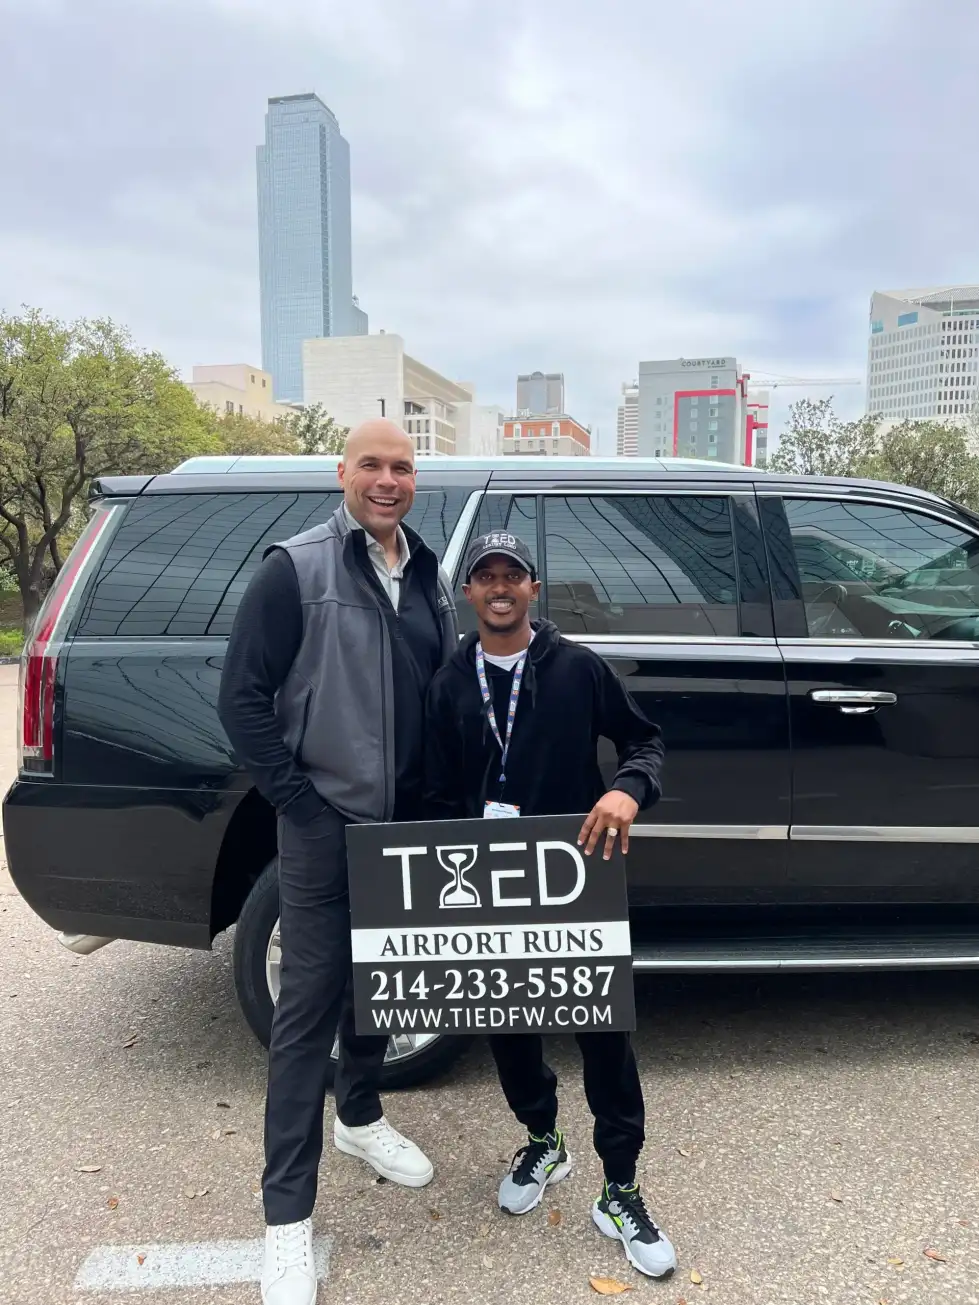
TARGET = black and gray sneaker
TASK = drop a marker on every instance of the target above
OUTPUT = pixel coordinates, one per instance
(620, 1212)
(543, 1161)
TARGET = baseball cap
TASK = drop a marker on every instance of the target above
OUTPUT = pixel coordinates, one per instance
(499, 541)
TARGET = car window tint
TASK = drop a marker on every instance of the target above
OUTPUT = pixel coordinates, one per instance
(518, 514)
(435, 513)
(640, 565)
(179, 563)
(870, 571)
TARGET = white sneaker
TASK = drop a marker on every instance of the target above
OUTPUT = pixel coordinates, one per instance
(288, 1274)
(385, 1150)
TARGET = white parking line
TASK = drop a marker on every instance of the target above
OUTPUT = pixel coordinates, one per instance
(182, 1264)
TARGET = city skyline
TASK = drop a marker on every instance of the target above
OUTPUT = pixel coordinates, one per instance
(472, 235)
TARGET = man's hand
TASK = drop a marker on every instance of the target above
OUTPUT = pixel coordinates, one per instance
(612, 816)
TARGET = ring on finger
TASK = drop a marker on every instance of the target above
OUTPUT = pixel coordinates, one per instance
(611, 831)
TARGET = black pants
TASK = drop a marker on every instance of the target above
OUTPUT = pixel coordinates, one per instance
(612, 1089)
(315, 1001)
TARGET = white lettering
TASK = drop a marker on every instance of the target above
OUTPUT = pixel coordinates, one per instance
(406, 853)
(497, 875)
(547, 898)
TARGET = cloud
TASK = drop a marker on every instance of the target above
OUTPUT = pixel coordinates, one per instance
(558, 185)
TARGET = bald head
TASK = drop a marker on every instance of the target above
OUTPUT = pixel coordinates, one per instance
(377, 473)
(377, 433)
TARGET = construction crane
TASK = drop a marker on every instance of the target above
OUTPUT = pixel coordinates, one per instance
(759, 383)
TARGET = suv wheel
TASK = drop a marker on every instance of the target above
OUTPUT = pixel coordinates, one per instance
(411, 1058)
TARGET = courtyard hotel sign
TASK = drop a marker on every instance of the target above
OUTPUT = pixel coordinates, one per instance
(703, 362)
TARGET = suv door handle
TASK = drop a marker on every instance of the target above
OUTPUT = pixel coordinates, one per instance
(854, 702)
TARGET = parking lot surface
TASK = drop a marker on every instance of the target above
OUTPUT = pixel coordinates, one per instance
(810, 1139)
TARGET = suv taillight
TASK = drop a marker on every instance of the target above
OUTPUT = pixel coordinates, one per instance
(39, 661)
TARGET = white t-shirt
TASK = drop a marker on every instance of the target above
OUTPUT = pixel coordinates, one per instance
(509, 662)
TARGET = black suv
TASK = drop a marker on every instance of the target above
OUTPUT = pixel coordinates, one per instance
(810, 648)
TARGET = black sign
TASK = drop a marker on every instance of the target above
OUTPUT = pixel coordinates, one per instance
(483, 926)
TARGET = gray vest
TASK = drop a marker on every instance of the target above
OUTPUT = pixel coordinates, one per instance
(336, 705)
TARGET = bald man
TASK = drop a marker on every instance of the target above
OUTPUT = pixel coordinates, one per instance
(337, 637)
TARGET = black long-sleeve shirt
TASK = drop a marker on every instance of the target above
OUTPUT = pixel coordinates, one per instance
(569, 698)
(265, 638)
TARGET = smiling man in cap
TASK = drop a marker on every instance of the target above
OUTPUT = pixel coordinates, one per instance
(512, 728)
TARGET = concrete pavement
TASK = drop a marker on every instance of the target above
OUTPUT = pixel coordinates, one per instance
(809, 1139)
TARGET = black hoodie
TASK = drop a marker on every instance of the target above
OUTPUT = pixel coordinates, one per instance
(569, 697)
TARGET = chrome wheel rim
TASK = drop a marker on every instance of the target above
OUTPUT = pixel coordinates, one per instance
(401, 1046)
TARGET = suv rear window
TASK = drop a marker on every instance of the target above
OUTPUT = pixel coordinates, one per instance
(179, 563)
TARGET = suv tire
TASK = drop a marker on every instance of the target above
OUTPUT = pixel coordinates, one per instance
(258, 921)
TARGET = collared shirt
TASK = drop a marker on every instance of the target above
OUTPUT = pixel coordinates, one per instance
(390, 577)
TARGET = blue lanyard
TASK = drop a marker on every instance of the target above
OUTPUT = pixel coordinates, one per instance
(488, 704)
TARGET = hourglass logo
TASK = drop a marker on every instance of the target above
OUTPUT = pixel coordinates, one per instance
(456, 861)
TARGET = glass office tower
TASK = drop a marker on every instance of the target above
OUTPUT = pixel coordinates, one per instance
(303, 237)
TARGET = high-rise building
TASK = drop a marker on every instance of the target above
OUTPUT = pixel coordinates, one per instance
(923, 353)
(541, 393)
(627, 422)
(693, 408)
(356, 377)
(305, 265)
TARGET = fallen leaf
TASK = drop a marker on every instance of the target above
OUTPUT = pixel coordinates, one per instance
(189, 1193)
(435, 1214)
(935, 1255)
(894, 1259)
(554, 1218)
(484, 1230)
(140, 1260)
(836, 1196)
(883, 1301)
(695, 1278)
(963, 1223)
(203, 1192)
(113, 1203)
(487, 1262)
(683, 1150)
(230, 1132)
(89, 1169)
(223, 1105)
(736, 1073)
(609, 1286)
(216, 1134)
(131, 1043)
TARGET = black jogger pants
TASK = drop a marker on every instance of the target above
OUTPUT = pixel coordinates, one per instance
(612, 1089)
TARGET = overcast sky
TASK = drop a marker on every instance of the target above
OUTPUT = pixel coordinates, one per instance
(553, 184)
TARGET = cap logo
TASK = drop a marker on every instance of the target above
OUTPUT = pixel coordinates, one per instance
(499, 539)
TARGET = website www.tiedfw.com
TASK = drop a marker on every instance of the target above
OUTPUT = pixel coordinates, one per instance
(463, 1019)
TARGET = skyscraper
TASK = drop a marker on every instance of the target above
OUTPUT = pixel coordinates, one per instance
(539, 394)
(922, 354)
(305, 265)
(627, 422)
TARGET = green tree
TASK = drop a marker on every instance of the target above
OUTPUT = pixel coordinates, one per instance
(240, 434)
(928, 455)
(78, 401)
(816, 443)
(316, 432)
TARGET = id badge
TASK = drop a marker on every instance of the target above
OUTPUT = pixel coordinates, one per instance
(500, 811)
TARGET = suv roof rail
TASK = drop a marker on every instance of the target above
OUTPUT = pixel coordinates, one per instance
(266, 463)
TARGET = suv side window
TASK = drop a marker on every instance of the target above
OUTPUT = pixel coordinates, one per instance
(179, 563)
(655, 564)
(872, 571)
(518, 514)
